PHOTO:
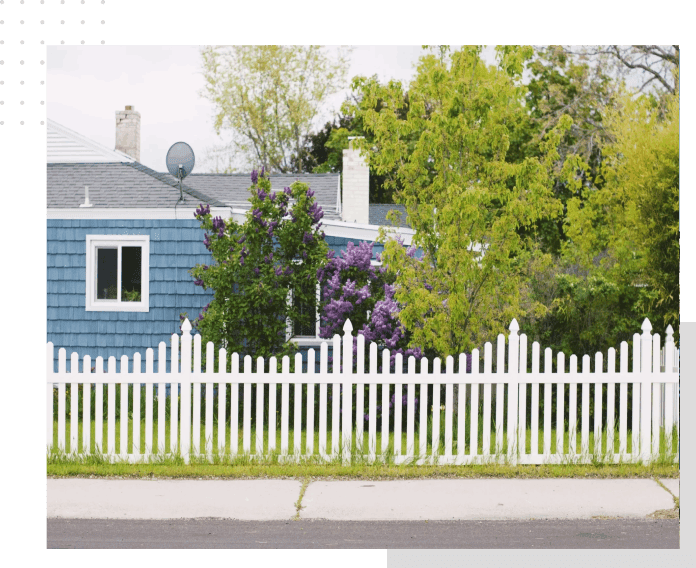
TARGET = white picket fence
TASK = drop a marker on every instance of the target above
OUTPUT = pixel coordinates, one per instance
(493, 403)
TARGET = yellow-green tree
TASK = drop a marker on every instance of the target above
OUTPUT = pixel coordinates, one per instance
(629, 229)
(466, 200)
(268, 96)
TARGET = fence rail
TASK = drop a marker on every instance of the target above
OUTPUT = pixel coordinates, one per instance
(433, 415)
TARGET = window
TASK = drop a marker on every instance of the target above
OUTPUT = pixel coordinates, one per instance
(117, 278)
(308, 329)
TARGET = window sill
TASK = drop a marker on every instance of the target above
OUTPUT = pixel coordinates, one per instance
(122, 307)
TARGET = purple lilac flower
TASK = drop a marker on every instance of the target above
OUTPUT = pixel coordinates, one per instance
(198, 282)
(310, 193)
(263, 171)
(256, 271)
(288, 271)
(254, 177)
(202, 211)
(218, 223)
(287, 191)
(272, 197)
(307, 238)
(278, 271)
(242, 239)
(262, 194)
(256, 214)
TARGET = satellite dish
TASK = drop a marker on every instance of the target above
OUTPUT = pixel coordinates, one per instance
(180, 162)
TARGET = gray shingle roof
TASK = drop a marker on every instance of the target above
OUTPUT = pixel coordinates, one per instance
(117, 185)
(378, 214)
(233, 189)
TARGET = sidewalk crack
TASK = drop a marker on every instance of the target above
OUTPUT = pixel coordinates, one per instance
(666, 513)
(298, 504)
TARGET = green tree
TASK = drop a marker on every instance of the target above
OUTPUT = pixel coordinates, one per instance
(268, 97)
(258, 266)
(631, 223)
(465, 199)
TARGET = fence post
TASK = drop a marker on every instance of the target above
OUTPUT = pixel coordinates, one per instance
(645, 368)
(513, 391)
(347, 391)
(670, 388)
(49, 397)
(185, 443)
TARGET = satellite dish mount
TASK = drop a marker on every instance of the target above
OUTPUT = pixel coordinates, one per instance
(180, 162)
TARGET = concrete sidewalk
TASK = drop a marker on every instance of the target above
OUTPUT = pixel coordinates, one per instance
(466, 499)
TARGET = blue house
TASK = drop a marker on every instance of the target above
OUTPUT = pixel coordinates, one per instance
(121, 238)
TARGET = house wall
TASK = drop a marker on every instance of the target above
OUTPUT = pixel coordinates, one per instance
(175, 247)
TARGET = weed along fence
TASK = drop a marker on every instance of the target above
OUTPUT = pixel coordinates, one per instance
(525, 411)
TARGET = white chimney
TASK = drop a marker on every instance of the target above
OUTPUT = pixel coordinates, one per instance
(356, 187)
(128, 132)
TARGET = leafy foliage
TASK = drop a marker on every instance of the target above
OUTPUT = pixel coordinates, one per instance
(465, 200)
(257, 264)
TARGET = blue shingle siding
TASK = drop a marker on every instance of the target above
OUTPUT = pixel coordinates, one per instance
(175, 247)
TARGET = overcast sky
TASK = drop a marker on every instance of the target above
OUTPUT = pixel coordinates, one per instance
(87, 84)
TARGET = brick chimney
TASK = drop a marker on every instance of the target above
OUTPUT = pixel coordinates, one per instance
(356, 187)
(128, 132)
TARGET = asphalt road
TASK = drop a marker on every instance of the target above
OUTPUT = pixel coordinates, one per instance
(222, 533)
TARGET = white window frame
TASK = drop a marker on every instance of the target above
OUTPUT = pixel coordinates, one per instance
(116, 241)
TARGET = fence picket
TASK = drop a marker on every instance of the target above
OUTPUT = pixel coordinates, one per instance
(149, 406)
(669, 389)
(74, 401)
(323, 411)
(656, 395)
(336, 394)
(513, 391)
(246, 406)
(411, 409)
(423, 434)
(347, 388)
(297, 434)
(196, 414)
(161, 396)
(174, 396)
(585, 413)
(635, 398)
(99, 407)
(49, 396)
(309, 443)
(209, 397)
(548, 362)
(111, 410)
(385, 399)
(185, 381)
(258, 445)
(573, 408)
(598, 405)
(398, 402)
(372, 406)
(137, 362)
(123, 442)
(449, 403)
(360, 395)
(234, 404)
(272, 406)
(284, 408)
(645, 390)
(435, 444)
(522, 443)
(487, 365)
(560, 401)
(461, 408)
(222, 400)
(534, 408)
(611, 400)
(499, 395)
(474, 414)
(86, 405)
(623, 401)
(61, 400)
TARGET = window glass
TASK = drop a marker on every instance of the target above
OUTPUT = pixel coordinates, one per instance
(308, 328)
(131, 262)
(107, 273)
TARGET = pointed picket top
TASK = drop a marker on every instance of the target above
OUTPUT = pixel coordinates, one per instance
(186, 327)
(670, 334)
(348, 327)
(514, 326)
(646, 327)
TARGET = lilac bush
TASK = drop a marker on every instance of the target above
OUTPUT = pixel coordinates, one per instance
(256, 264)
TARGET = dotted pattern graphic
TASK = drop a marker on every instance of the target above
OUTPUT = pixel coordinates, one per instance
(27, 28)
